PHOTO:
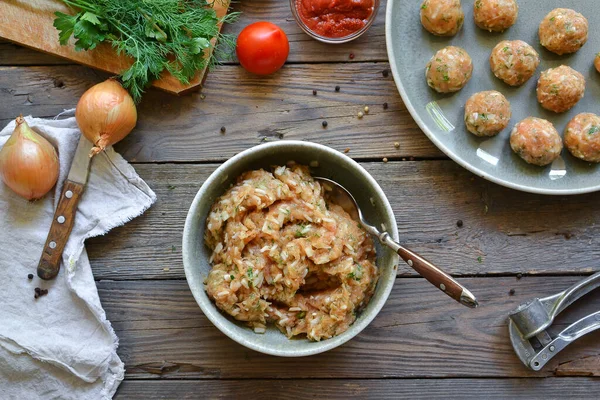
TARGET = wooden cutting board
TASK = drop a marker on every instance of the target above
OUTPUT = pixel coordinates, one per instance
(29, 23)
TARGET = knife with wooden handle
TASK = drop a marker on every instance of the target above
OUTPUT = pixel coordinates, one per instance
(64, 217)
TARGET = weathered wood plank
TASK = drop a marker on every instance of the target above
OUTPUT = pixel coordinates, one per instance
(303, 49)
(252, 109)
(12, 55)
(504, 232)
(419, 333)
(579, 388)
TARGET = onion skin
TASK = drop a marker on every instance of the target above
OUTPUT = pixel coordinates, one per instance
(28, 162)
(105, 114)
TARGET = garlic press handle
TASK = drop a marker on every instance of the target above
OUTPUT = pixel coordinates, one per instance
(569, 335)
(575, 292)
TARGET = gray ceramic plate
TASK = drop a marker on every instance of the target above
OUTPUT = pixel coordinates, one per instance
(441, 116)
(331, 164)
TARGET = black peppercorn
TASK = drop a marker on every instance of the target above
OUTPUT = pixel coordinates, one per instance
(385, 106)
(459, 223)
(223, 129)
(519, 276)
(511, 292)
(337, 88)
(385, 73)
(314, 92)
(324, 124)
(30, 276)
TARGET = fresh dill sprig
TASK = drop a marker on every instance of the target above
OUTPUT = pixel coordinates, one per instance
(159, 35)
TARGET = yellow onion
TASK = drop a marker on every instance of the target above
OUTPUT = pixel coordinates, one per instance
(28, 162)
(105, 114)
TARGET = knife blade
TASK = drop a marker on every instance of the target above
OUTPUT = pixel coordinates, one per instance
(80, 167)
(64, 216)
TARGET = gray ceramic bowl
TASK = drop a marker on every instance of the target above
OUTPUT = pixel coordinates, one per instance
(333, 165)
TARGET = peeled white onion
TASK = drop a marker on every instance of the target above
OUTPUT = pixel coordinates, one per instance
(28, 162)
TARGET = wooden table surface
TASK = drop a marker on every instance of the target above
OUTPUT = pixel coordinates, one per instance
(422, 344)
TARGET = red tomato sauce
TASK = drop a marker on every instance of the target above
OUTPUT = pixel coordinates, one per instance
(335, 18)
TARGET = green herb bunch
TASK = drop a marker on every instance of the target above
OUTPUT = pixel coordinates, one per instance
(159, 35)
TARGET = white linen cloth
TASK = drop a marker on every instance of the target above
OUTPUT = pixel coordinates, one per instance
(61, 346)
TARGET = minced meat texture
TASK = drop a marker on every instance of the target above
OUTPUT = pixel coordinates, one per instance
(283, 254)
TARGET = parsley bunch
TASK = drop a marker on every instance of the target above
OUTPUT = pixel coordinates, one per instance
(159, 35)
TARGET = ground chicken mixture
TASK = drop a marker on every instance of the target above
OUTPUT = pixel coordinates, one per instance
(283, 253)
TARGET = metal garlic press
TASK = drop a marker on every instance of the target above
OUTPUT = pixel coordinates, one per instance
(527, 324)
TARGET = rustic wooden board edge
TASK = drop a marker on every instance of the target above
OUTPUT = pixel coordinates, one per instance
(103, 58)
(303, 49)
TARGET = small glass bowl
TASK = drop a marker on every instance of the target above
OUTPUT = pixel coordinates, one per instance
(330, 40)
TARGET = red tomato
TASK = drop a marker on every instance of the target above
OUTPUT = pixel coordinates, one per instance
(262, 48)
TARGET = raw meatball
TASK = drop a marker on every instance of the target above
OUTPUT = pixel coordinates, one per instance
(442, 17)
(597, 62)
(449, 70)
(487, 113)
(495, 15)
(563, 31)
(514, 62)
(536, 141)
(582, 137)
(559, 89)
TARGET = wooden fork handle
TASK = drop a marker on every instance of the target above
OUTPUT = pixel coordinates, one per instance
(438, 278)
(60, 230)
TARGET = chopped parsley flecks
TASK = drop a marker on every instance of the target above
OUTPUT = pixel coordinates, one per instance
(357, 274)
(568, 26)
